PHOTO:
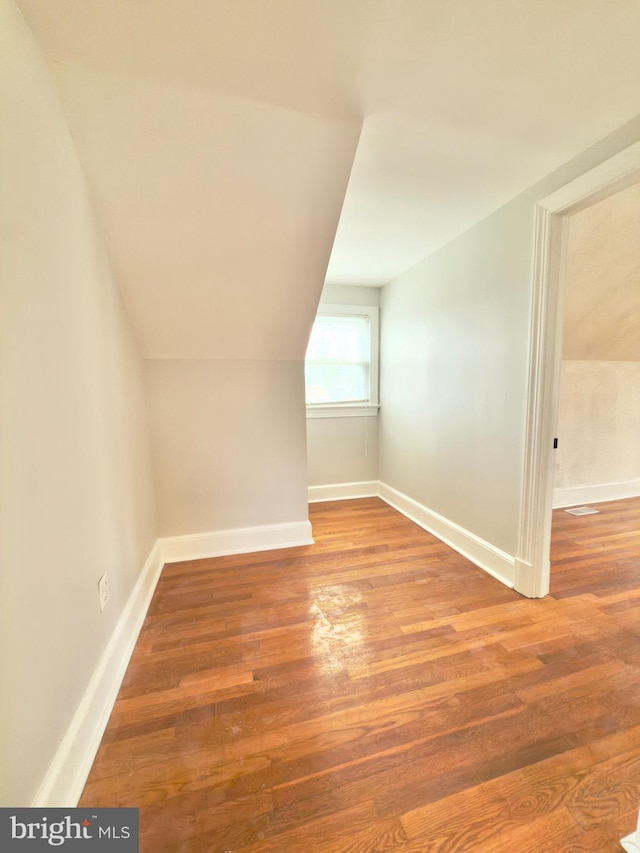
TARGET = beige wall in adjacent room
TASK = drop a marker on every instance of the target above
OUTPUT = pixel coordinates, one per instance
(454, 366)
(76, 491)
(229, 443)
(599, 405)
(598, 427)
(602, 297)
(345, 449)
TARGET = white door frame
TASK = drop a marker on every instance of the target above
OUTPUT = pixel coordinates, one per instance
(552, 214)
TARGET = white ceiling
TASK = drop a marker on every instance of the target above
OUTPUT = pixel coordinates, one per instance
(218, 137)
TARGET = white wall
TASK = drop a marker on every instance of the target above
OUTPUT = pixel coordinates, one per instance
(229, 443)
(75, 468)
(344, 449)
(219, 211)
(348, 294)
(455, 348)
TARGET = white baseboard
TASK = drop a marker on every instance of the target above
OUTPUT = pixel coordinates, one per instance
(240, 540)
(495, 562)
(595, 494)
(67, 774)
(344, 491)
(527, 582)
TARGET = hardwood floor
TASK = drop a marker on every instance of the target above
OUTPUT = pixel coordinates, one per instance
(377, 692)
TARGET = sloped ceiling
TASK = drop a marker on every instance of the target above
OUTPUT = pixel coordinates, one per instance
(220, 212)
(602, 301)
(218, 139)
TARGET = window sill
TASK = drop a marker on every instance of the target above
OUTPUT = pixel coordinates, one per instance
(343, 410)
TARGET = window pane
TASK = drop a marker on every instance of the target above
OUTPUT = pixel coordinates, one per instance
(337, 364)
(337, 383)
(339, 338)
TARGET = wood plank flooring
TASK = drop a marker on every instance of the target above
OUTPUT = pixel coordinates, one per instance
(376, 692)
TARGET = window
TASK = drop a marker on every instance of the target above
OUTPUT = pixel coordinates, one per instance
(341, 365)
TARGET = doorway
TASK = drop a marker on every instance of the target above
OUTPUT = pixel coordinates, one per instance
(550, 254)
(598, 456)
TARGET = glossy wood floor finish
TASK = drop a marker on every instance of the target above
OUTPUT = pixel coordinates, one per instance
(376, 692)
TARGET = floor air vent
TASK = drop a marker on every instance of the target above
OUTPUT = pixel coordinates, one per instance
(582, 510)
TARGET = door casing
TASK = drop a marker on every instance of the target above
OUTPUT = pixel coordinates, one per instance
(532, 567)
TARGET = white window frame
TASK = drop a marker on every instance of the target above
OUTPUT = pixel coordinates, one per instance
(350, 410)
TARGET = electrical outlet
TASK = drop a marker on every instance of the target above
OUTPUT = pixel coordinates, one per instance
(103, 591)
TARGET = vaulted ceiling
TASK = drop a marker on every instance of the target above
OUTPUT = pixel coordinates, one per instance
(225, 141)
